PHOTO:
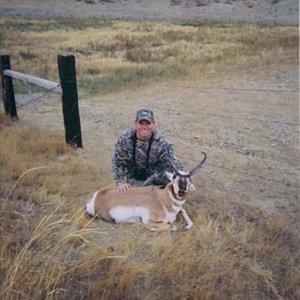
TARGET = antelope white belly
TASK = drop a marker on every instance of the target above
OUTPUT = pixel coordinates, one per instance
(130, 214)
(171, 215)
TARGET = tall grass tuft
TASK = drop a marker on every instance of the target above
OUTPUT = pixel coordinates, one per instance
(227, 260)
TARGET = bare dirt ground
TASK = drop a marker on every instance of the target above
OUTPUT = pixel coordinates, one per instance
(283, 12)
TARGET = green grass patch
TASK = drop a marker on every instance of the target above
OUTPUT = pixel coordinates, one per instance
(123, 78)
(50, 25)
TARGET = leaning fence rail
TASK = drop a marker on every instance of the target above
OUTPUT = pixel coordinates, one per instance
(46, 84)
(67, 87)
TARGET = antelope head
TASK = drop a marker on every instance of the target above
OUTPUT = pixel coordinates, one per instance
(181, 181)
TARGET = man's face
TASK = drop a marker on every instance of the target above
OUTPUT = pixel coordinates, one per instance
(144, 129)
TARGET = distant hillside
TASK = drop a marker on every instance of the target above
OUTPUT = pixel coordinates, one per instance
(270, 12)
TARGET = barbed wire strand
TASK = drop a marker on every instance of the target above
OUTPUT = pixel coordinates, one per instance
(243, 118)
(243, 173)
(191, 112)
(39, 97)
(181, 111)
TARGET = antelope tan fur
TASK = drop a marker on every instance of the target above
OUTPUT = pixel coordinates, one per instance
(157, 207)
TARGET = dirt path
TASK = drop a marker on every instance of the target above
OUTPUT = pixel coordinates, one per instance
(249, 129)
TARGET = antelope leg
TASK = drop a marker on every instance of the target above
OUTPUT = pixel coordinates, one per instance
(161, 227)
(187, 219)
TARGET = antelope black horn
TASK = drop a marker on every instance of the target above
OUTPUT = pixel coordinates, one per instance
(194, 170)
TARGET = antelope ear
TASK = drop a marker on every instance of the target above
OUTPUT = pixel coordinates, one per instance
(170, 175)
(192, 187)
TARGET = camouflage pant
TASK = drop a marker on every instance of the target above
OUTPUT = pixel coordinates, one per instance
(158, 178)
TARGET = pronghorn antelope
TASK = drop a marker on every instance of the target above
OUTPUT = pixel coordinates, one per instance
(157, 207)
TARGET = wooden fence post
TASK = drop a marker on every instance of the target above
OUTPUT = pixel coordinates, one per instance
(67, 75)
(8, 94)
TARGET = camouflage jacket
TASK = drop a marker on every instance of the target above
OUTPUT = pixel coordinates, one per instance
(159, 159)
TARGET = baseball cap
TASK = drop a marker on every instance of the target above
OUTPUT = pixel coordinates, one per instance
(144, 114)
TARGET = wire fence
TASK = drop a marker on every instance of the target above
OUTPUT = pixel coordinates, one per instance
(36, 98)
(208, 114)
(227, 115)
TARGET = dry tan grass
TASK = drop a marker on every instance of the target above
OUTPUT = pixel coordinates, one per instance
(116, 55)
(50, 250)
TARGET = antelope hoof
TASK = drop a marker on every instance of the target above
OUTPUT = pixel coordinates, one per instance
(153, 229)
(173, 228)
(162, 227)
(188, 227)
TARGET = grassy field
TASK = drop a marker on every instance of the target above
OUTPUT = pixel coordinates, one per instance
(112, 56)
(50, 250)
